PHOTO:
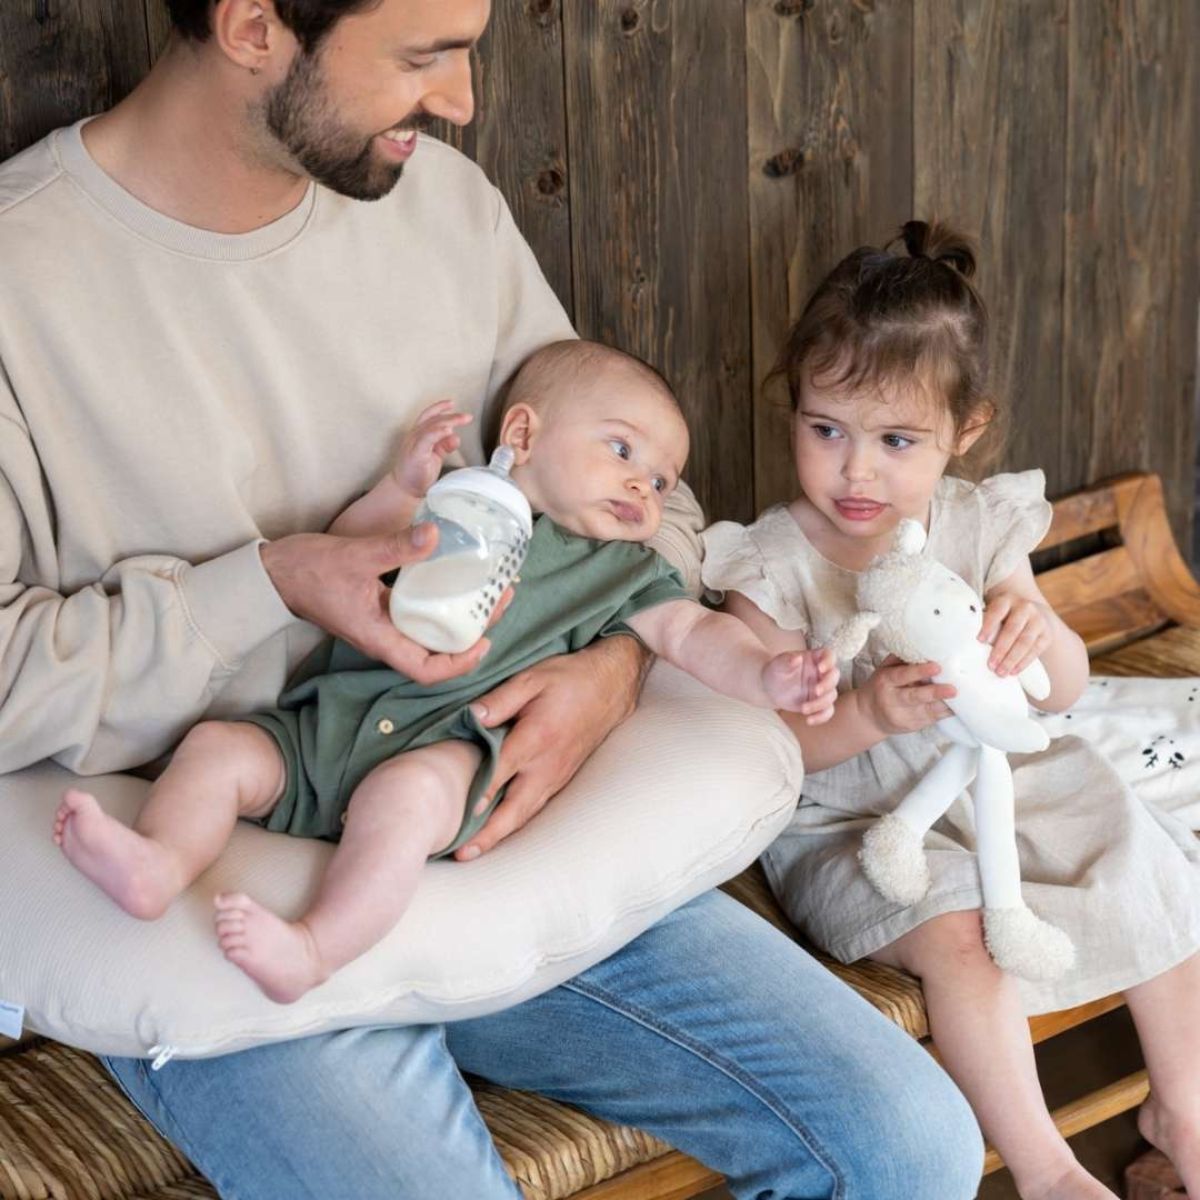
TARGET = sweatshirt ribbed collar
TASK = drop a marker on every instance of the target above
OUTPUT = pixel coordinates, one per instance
(75, 160)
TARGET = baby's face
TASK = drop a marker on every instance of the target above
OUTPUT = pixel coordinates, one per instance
(606, 458)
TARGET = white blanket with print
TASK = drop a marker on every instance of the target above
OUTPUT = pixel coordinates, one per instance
(1149, 729)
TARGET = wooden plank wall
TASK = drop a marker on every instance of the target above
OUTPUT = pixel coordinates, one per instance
(686, 170)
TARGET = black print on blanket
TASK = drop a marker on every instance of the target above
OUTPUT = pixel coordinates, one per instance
(1175, 759)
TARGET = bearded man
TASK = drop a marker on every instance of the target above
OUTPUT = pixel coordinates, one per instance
(220, 303)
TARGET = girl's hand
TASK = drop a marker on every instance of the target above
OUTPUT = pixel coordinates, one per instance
(901, 697)
(425, 446)
(1018, 630)
(804, 682)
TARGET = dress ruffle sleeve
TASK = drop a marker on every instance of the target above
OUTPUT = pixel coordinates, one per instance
(1016, 517)
(736, 559)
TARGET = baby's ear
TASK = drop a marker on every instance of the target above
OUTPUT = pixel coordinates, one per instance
(518, 431)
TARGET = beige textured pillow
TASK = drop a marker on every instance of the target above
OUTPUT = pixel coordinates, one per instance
(682, 796)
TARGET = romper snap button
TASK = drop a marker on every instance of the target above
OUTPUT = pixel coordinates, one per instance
(385, 726)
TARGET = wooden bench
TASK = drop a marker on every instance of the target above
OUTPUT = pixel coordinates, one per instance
(1115, 575)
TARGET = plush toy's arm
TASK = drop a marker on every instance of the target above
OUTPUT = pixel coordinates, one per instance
(1035, 680)
(852, 637)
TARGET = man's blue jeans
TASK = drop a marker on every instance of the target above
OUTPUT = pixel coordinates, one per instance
(712, 1030)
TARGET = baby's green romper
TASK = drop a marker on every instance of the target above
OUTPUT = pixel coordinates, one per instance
(344, 714)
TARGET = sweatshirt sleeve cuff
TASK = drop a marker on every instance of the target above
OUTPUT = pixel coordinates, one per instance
(232, 604)
(678, 537)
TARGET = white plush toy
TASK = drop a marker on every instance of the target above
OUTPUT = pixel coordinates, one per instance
(923, 612)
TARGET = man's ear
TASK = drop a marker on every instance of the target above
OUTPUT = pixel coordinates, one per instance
(519, 429)
(250, 33)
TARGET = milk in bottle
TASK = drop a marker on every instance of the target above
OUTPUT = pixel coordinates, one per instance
(484, 523)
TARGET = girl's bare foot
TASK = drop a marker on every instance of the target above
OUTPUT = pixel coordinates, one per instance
(1075, 1184)
(1176, 1137)
(280, 956)
(140, 875)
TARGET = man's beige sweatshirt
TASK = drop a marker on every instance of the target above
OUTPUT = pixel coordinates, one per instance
(170, 396)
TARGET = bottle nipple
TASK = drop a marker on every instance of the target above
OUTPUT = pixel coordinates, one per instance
(502, 460)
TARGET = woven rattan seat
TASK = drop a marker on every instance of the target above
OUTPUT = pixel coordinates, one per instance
(68, 1133)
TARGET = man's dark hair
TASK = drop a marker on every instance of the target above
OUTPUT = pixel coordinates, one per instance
(309, 20)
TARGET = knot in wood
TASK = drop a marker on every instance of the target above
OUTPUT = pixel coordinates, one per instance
(786, 162)
(550, 181)
(542, 11)
(630, 20)
(792, 8)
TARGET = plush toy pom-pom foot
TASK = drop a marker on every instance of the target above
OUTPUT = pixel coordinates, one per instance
(893, 859)
(1021, 943)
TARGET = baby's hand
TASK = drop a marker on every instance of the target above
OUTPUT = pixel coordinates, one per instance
(803, 682)
(425, 446)
(1018, 630)
(901, 697)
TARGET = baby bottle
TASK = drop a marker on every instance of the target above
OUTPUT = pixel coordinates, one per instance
(484, 523)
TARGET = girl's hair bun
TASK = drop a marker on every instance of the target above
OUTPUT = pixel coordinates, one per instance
(939, 242)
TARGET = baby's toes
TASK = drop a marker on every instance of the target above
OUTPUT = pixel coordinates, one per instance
(231, 935)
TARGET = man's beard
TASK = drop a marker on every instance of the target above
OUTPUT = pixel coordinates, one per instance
(299, 114)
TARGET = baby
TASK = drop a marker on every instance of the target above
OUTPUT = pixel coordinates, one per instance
(395, 771)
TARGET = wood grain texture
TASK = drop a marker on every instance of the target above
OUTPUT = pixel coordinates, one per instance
(63, 59)
(1172, 654)
(519, 135)
(989, 114)
(831, 158)
(656, 109)
(521, 131)
(1108, 573)
(1049, 1025)
(1132, 230)
(674, 1176)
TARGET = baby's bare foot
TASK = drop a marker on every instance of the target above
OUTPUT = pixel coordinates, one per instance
(280, 956)
(140, 875)
(1178, 1139)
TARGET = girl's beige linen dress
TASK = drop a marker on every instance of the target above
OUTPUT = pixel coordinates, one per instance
(1120, 876)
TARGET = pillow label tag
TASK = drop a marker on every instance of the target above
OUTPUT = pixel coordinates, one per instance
(11, 1018)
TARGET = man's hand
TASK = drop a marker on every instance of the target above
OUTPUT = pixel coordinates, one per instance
(563, 708)
(334, 583)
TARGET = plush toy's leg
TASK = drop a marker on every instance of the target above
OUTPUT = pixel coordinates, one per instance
(892, 854)
(1019, 941)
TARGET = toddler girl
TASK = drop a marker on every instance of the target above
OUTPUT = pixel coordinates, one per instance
(397, 771)
(886, 373)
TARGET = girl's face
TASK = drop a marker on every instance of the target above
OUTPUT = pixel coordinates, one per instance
(864, 459)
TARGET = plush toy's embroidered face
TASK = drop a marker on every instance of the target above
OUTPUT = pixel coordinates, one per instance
(942, 615)
(924, 611)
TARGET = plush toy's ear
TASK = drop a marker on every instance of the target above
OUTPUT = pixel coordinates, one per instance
(910, 536)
